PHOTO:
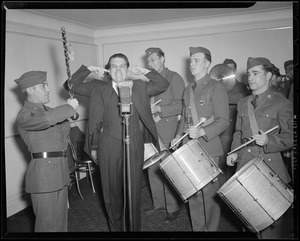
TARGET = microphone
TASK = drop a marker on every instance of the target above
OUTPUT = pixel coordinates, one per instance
(125, 92)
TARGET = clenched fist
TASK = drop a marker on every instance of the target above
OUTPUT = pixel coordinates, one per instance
(232, 159)
(73, 102)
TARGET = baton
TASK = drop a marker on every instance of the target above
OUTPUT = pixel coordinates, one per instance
(248, 142)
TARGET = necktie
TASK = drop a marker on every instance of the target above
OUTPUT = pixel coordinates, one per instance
(194, 86)
(115, 87)
(254, 101)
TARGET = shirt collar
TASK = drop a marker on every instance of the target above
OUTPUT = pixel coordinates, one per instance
(115, 86)
(164, 71)
(204, 80)
(264, 94)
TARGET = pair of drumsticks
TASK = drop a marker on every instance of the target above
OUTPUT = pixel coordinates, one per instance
(203, 120)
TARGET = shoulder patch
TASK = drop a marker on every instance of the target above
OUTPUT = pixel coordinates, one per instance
(290, 122)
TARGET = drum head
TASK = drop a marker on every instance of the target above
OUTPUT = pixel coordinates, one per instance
(257, 195)
(154, 159)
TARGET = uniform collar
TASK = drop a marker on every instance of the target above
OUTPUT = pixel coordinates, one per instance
(164, 71)
(204, 80)
(32, 104)
(261, 96)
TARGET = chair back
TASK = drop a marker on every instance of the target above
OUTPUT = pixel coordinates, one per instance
(73, 150)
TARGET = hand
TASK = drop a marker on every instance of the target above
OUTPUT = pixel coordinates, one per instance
(73, 102)
(195, 132)
(137, 70)
(261, 139)
(98, 70)
(174, 141)
(155, 109)
(232, 159)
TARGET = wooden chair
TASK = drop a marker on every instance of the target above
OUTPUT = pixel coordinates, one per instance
(83, 162)
(73, 172)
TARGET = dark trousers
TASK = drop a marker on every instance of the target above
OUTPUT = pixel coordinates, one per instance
(113, 180)
(205, 208)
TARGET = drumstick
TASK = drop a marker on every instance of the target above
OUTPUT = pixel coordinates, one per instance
(248, 142)
(201, 122)
(155, 103)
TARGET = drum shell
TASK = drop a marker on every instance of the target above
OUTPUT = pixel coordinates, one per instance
(257, 195)
(189, 169)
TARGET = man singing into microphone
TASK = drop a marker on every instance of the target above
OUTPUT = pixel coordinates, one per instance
(105, 118)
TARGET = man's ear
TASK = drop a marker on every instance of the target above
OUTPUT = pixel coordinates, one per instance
(29, 90)
(269, 76)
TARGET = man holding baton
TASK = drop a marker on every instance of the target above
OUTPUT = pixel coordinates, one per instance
(257, 115)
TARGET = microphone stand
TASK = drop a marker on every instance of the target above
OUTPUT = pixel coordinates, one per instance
(127, 167)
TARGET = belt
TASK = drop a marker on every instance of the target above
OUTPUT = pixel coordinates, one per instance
(244, 140)
(49, 154)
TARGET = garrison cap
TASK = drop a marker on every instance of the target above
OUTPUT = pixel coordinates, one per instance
(152, 50)
(229, 61)
(288, 63)
(194, 50)
(31, 78)
(252, 62)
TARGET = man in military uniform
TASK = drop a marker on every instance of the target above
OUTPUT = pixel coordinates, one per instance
(211, 102)
(277, 83)
(289, 79)
(165, 115)
(271, 109)
(45, 131)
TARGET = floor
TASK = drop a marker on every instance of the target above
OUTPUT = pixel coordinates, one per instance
(87, 220)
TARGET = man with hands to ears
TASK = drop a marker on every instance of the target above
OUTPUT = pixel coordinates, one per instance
(105, 130)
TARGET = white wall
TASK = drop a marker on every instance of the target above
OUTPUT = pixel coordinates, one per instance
(239, 36)
(33, 42)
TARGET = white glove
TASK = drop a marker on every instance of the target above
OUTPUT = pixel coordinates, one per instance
(98, 70)
(73, 102)
(232, 159)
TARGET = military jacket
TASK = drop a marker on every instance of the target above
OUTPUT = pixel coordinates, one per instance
(45, 129)
(272, 110)
(210, 99)
(171, 105)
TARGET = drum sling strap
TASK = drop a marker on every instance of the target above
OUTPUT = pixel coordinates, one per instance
(193, 108)
(194, 111)
(252, 119)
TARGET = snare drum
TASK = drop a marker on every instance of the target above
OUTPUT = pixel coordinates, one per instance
(189, 169)
(257, 195)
